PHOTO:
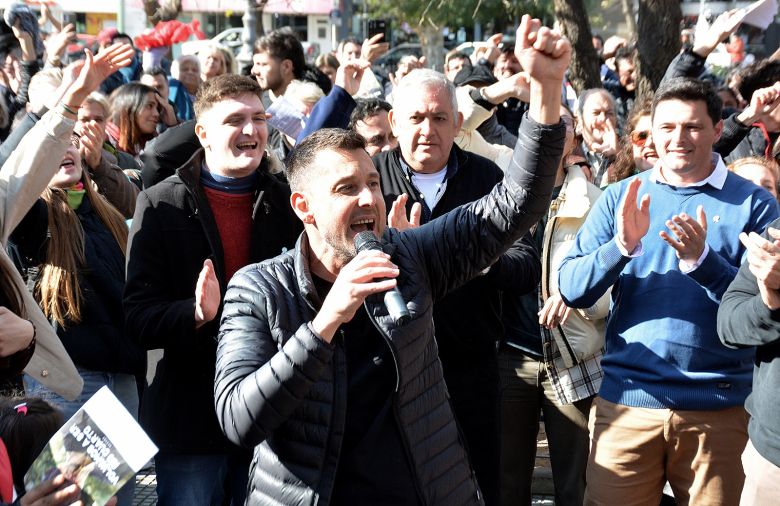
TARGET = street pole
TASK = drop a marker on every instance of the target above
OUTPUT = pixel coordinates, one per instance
(248, 35)
(120, 16)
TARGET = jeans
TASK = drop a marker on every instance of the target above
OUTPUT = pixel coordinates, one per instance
(123, 387)
(200, 480)
(526, 392)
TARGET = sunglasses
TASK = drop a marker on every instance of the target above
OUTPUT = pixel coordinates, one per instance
(639, 138)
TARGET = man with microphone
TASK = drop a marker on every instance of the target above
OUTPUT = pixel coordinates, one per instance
(344, 403)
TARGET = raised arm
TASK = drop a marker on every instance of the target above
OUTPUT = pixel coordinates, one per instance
(465, 241)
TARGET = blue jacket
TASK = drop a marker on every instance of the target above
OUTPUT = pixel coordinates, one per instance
(181, 99)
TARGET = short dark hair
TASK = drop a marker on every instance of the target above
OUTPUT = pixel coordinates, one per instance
(757, 75)
(223, 87)
(120, 35)
(366, 108)
(302, 157)
(25, 433)
(623, 54)
(348, 40)
(155, 71)
(456, 55)
(690, 90)
(283, 44)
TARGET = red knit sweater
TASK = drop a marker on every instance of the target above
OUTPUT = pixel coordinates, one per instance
(233, 214)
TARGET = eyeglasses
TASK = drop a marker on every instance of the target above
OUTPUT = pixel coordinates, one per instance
(639, 138)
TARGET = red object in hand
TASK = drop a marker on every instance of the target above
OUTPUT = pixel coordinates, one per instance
(167, 33)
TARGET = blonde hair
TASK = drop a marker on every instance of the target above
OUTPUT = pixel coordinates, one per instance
(57, 290)
(42, 86)
(305, 92)
(98, 98)
(228, 60)
(767, 163)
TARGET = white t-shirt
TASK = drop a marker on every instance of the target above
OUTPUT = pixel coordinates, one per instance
(432, 186)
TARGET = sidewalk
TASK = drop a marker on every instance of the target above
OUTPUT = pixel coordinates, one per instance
(146, 481)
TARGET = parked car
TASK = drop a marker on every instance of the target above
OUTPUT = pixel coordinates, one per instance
(231, 38)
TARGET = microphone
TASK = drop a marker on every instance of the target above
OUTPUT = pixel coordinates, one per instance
(394, 302)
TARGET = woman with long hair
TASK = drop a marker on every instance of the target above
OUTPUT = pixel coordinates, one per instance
(636, 151)
(73, 244)
(215, 60)
(135, 112)
(25, 333)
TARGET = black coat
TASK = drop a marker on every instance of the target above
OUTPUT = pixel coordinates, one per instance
(173, 232)
(99, 341)
(468, 320)
(281, 388)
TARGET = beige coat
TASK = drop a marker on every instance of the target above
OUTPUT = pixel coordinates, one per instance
(22, 179)
(582, 336)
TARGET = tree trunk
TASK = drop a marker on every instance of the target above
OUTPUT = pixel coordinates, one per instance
(432, 42)
(259, 30)
(628, 12)
(658, 41)
(584, 67)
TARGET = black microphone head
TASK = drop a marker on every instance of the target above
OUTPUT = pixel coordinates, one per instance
(366, 240)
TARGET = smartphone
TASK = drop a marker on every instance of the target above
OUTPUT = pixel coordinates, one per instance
(376, 26)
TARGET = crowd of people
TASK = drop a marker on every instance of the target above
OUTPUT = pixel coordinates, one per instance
(186, 236)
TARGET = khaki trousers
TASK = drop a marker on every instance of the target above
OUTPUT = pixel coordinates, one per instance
(634, 451)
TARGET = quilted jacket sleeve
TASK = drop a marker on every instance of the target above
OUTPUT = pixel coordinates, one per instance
(259, 383)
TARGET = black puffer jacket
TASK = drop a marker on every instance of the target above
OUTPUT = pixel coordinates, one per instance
(281, 388)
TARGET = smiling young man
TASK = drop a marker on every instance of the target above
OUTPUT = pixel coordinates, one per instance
(342, 404)
(670, 407)
(191, 232)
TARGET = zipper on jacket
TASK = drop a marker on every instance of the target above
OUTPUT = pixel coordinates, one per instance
(316, 495)
(389, 345)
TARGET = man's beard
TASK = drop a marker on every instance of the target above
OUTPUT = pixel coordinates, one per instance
(342, 250)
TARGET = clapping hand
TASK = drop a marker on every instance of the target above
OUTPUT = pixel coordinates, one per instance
(690, 235)
(349, 75)
(763, 257)
(397, 216)
(207, 295)
(633, 221)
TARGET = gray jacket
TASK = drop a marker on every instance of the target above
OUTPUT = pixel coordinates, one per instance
(281, 388)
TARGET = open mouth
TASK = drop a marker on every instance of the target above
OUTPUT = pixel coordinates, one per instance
(246, 146)
(362, 225)
(67, 163)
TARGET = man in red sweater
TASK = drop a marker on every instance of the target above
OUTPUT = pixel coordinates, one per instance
(222, 210)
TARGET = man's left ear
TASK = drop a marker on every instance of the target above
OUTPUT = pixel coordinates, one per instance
(459, 120)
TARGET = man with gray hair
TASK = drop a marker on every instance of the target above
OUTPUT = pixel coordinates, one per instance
(436, 176)
(597, 123)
